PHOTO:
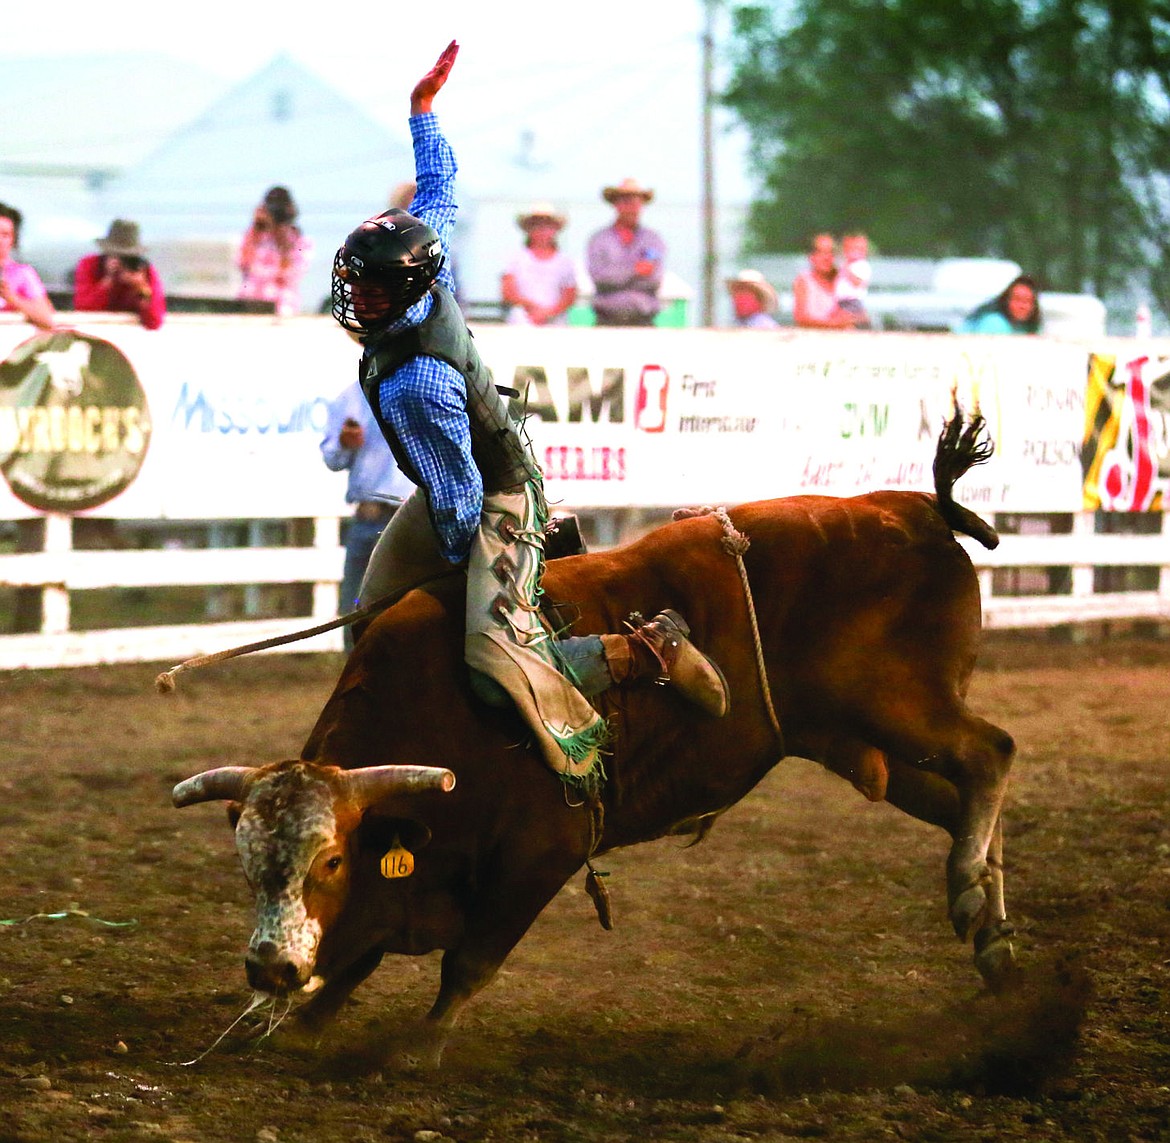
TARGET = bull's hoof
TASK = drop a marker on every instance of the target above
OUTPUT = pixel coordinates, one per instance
(418, 1049)
(995, 958)
(969, 912)
(418, 1059)
(296, 1039)
(314, 1017)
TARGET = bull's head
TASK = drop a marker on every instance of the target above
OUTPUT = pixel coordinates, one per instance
(293, 825)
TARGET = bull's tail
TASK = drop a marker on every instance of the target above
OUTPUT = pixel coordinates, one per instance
(962, 444)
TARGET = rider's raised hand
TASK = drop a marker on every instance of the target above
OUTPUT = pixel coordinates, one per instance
(428, 87)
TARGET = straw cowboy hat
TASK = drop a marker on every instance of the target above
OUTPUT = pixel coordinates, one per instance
(122, 240)
(540, 211)
(627, 186)
(403, 195)
(756, 282)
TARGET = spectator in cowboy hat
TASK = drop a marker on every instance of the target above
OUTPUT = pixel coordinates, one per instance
(753, 299)
(625, 260)
(120, 279)
(540, 283)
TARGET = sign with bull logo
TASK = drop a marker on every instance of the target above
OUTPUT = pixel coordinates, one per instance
(74, 422)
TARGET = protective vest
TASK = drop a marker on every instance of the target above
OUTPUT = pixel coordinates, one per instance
(502, 456)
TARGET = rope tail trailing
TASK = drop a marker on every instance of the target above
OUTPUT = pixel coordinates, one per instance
(963, 443)
(165, 682)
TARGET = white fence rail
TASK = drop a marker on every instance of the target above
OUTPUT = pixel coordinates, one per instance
(59, 570)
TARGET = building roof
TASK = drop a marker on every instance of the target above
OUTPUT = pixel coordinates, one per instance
(95, 113)
(282, 125)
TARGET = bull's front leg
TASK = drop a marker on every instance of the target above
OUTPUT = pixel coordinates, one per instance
(503, 914)
(326, 1003)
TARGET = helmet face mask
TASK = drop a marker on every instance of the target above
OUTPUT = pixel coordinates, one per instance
(382, 269)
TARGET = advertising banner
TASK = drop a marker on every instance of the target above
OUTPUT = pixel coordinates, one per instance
(221, 417)
(1126, 455)
(227, 418)
(694, 416)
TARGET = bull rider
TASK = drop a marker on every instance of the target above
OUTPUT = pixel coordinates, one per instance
(480, 493)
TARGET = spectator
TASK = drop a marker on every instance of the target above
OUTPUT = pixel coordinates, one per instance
(120, 279)
(540, 283)
(853, 277)
(625, 261)
(403, 195)
(21, 288)
(376, 485)
(753, 299)
(814, 291)
(273, 253)
(1016, 309)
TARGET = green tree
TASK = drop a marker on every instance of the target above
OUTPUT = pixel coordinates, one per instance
(1035, 130)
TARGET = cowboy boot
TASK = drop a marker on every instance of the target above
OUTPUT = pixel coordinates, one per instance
(661, 650)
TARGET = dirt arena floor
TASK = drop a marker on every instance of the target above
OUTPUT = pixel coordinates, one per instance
(793, 977)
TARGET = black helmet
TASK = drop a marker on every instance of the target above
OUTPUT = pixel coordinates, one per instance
(391, 259)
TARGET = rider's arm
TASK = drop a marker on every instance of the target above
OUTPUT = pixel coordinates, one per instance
(435, 169)
(426, 404)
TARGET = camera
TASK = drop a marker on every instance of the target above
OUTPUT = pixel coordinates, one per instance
(280, 214)
(280, 206)
(133, 263)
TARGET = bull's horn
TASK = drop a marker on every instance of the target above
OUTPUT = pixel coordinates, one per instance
(227, 784)
(372, 783)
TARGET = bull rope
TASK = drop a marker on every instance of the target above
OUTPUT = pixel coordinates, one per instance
(165, 682)
(735, 543)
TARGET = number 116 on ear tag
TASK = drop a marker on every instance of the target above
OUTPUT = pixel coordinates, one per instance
(397, 862)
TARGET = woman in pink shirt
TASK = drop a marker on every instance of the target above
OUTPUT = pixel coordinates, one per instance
(273, 253)
(814, 298)
(540, 283)
(21, 288)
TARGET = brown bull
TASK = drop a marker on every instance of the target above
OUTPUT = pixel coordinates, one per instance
(868, 616)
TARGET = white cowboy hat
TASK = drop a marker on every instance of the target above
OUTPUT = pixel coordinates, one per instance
(540, 210)
(755, 281)
(627, 186)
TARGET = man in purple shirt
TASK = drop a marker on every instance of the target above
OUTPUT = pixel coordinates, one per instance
(625, 260)
(481, 493)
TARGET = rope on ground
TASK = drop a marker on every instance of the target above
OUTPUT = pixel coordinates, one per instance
(735, 544)
(65, 914)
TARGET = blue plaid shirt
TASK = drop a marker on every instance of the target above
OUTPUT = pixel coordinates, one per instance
(425, 400)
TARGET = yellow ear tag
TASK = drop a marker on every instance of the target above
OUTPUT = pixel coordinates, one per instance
(397, 861)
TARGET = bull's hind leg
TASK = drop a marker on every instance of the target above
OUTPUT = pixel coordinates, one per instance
(961, 788)
(980, 762)
(994, 955)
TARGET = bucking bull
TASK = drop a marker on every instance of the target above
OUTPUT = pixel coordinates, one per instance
(854, 621)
